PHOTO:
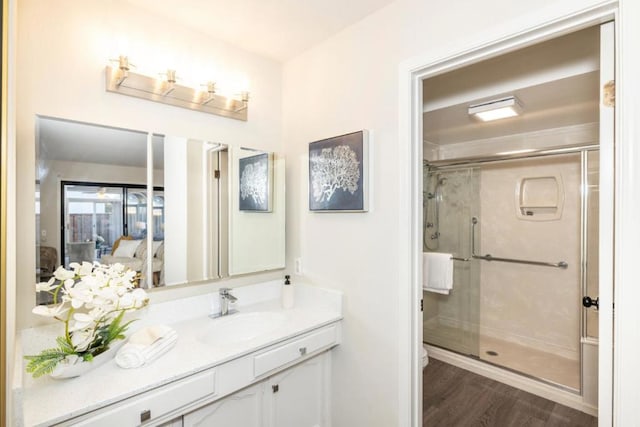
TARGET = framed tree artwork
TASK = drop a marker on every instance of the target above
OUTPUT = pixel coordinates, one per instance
(338, 173)
(255, 182)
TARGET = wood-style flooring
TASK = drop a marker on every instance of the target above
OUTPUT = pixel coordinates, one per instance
(455, 397)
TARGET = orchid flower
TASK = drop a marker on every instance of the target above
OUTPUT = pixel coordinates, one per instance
(93, 296)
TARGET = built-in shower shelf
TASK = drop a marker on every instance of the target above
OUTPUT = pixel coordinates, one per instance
(539, 198)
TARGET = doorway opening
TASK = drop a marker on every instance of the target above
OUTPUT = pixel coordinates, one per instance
(490, 193)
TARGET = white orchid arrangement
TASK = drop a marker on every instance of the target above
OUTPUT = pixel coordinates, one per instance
(91, 300)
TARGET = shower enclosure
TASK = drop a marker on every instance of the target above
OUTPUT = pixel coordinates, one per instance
(523, 236)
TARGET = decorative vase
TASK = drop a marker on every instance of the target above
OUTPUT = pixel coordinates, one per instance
(79, 366)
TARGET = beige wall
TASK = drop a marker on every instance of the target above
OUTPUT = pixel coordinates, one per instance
(535, 306)
(63, 48)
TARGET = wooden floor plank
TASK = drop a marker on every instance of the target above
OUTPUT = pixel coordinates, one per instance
(455, 397)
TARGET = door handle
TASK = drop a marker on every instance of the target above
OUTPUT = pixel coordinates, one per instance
(589, 302)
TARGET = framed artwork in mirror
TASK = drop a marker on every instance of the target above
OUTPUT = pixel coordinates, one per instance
(338, 173)
(255, 177)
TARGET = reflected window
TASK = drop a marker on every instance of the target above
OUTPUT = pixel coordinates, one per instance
(136, 225)
(158, 215)
(96, 215)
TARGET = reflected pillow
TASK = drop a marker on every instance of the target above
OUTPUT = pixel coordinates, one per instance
(160, 252)
(155, 246)
(127, 248)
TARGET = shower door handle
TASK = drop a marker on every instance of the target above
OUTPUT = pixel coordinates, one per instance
(588, 302)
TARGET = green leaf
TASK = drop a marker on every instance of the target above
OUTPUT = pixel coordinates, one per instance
(65, 346)
(45, 362)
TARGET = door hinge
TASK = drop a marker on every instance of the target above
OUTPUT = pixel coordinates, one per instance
(609, 94)
(216, 174)
(421, 305)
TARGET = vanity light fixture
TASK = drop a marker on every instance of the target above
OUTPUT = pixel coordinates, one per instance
(244, 98)
(123, 69)
(210, 94)
(496, 109)
(166, 90)
(170, 82)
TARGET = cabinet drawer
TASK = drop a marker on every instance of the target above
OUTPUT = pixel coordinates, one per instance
(155, 403)
(297, 349)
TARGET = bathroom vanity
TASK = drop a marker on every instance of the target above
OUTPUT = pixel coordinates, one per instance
(262, 366)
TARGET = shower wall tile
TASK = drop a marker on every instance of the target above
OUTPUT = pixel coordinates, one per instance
(530, 305)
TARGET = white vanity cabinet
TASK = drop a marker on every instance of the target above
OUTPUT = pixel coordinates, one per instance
(266, 366)
(243, 408)
(296, 397)
(282, 385)
(176, 422)
(299, 397)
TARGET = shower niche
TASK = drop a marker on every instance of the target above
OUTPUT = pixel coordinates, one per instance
(539, 198)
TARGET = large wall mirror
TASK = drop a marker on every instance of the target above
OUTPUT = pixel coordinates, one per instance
(177, 210)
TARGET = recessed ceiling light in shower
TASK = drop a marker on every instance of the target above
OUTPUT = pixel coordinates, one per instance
(496, 109)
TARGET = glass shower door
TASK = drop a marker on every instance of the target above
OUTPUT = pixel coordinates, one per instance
(451, 199)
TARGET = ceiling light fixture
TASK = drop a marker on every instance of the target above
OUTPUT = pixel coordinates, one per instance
(496, 109)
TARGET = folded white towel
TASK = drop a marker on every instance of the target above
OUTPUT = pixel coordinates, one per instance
(145, 346)
(437, 272)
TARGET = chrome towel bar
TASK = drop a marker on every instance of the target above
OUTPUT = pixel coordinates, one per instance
(488, 257)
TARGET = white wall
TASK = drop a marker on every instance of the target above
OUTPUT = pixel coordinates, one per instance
(350, 82)
(63, 48)
(346, 83)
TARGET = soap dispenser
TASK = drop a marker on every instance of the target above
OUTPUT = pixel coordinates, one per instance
(287, 293)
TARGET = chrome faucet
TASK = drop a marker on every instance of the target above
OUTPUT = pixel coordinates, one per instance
(225, 299)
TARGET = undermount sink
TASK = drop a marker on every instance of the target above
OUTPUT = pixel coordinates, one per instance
(240, 327)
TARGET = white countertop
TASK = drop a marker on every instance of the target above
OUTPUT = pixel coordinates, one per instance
(45, 401)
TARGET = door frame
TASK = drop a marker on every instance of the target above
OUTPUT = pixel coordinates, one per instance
(411, 74)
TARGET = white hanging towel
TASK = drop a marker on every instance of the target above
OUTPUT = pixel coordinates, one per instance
(437, 272)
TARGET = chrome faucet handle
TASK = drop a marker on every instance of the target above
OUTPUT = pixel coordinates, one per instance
(225, 293)
(225, 299)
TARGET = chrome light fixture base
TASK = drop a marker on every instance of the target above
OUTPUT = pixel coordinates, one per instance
(126, 82)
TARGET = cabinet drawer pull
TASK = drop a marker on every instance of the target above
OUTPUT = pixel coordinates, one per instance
(293, 351)
(145, 415)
